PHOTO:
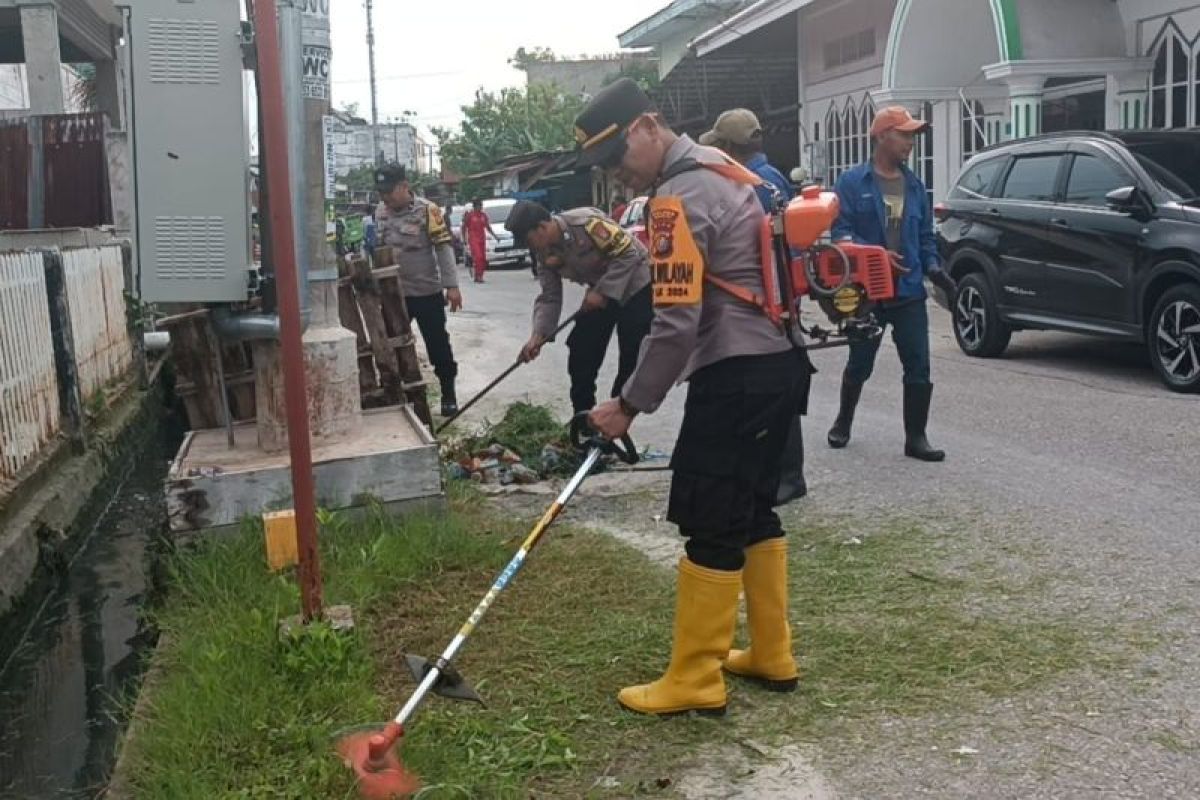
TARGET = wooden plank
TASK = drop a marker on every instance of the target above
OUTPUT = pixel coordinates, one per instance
(351, 318)
(366, 293)
(194, 348)
(404, 344)
(239, 380)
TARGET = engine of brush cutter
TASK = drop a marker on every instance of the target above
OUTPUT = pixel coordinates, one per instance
(845, 279)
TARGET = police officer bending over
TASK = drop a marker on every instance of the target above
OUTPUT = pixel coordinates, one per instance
(745, 381)
(585, 246)
(424, 247)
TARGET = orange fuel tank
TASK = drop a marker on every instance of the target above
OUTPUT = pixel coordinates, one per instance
(809, 216)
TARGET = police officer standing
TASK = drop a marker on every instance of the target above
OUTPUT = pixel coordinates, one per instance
(585, 246)
(745, 380)
(424, 247)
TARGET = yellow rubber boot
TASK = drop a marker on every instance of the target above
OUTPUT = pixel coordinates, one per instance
(768, 661)
(705, 611)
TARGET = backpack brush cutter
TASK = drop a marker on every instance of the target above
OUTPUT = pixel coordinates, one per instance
(371, 752)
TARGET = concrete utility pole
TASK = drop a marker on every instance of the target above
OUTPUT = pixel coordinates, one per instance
(376, 155)
(330, 351)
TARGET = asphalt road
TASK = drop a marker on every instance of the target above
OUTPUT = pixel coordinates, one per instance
(1069, 448)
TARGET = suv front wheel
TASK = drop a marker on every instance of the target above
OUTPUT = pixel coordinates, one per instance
(1173, 336)
(977, 325)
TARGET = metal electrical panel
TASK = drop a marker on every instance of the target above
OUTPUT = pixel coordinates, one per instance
(191, 157)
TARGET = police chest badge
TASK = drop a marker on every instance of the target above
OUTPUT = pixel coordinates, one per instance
(662, 227)
(676, 265)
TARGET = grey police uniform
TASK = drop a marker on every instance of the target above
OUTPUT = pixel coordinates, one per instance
(746, 381)
(425, 253)
(599, 254)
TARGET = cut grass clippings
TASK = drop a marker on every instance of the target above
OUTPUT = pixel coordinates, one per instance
(881, 628)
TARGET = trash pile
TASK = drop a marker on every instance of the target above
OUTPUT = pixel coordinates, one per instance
(526, 446)
(495, 465)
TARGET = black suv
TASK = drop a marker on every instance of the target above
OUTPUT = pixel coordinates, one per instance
(1095, 233)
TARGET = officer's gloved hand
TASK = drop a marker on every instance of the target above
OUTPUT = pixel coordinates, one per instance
(942, 280)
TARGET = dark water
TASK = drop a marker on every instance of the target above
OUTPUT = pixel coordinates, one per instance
(64, 687)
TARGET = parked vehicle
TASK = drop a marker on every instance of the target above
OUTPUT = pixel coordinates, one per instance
(455, 223)
(1094, 233)
(633, 219)
(503, 250)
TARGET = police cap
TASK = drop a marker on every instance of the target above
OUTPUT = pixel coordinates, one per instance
(600, 127)
(388, 175)
(524, 217)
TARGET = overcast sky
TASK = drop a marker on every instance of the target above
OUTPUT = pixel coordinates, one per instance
(430, 57)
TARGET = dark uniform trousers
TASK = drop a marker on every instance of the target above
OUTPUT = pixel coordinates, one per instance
(589, 339)
(726, 464)
(429, 313)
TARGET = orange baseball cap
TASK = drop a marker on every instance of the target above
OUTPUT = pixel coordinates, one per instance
(896, 118)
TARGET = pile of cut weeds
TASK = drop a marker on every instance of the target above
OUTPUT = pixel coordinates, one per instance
(531, 431)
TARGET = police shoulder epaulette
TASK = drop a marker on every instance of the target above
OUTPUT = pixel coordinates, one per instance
(608, 237)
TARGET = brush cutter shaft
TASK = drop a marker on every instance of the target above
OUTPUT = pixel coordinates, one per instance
(502, 581)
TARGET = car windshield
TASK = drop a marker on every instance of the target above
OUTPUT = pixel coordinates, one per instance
(498, 214)
(1174, 164)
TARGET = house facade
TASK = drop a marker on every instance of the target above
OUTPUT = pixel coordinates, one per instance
(980, 71)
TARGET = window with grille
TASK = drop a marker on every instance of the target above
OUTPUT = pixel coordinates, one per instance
(921, 160)
(974, 127)
(848, 49)
(848, 136)
(1175, 80)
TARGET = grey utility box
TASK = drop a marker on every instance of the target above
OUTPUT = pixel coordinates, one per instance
(190, 150)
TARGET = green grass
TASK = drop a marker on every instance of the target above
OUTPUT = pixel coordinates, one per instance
(236, 713)
(886, 627)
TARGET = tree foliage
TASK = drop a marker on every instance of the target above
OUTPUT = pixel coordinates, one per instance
(363, 179)
(507, 123)
(537, 55)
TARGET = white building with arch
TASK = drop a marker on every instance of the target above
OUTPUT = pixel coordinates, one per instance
(981, 71)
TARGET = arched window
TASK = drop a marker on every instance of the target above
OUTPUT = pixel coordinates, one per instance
(847, 136)
(1174, 81)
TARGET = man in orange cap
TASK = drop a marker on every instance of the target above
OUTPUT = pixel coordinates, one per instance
(883, 203)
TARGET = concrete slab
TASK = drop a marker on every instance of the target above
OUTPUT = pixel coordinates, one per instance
(391, 460)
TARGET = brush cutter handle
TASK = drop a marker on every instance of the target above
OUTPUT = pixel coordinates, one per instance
(583, 437)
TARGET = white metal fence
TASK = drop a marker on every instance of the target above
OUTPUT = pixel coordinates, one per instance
(95, 279)
(29, 412)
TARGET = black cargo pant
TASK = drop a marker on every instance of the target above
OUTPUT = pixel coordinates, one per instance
(588, 345)
(726, 462)
(429, 314)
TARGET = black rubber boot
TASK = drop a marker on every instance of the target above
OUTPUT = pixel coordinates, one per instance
(449, 399)
(839, 434)
(916, 415)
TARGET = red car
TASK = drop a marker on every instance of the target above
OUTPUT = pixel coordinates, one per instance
(633, 219)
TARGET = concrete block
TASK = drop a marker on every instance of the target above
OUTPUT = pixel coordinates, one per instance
(391, 459)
